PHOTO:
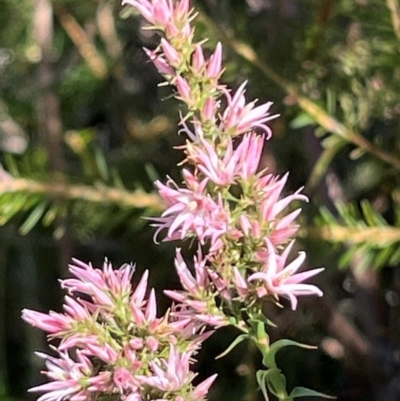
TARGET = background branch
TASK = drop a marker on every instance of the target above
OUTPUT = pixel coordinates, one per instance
(100, 194)
(326, 121)
(81, 40)
(393, 6)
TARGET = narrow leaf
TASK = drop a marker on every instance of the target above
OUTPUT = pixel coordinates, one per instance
(305, 392)
(269, 358)
(302, 120)
(33, 218)
(237, 340)
(276, 383)
(261, 380)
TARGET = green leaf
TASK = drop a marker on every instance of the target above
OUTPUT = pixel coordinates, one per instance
(383, 256)
(371, 216)
(395, 256)
(33, 218)
(235, 342)
(262, 382)
(347, 257)
(356, 153)
(327, 216)
(11, 165)
(151, 172)
(101, 165)
(302, 120)
(269, 358)
(276, 383)
(305, 392)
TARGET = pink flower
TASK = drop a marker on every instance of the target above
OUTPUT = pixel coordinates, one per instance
(191, 211)
(71, 380)
(240, 117)
(278, 279)
(147, 317)
(105, 352)
(223, 171)
(156, 12)
(103, 286)
(279, 228)
(172, 374)
(196, 302)
(52, 322)
(210, 109)
(250, 151)
(123, 380)
(184, 90)
(59, 324)
(198, 60)
(197, 132)
(193, 285)
(214, 68)
(171, 54)
(162, 66)
(201, 389)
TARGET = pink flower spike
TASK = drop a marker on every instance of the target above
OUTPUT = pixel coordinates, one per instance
(170, 53)
(214, 66)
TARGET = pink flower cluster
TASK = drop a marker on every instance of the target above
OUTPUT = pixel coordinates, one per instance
(112, 344)
(234, 210)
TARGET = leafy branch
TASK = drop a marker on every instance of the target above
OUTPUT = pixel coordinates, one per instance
(46, 198)
(317, 113)
(363, 230)
(99, 193)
